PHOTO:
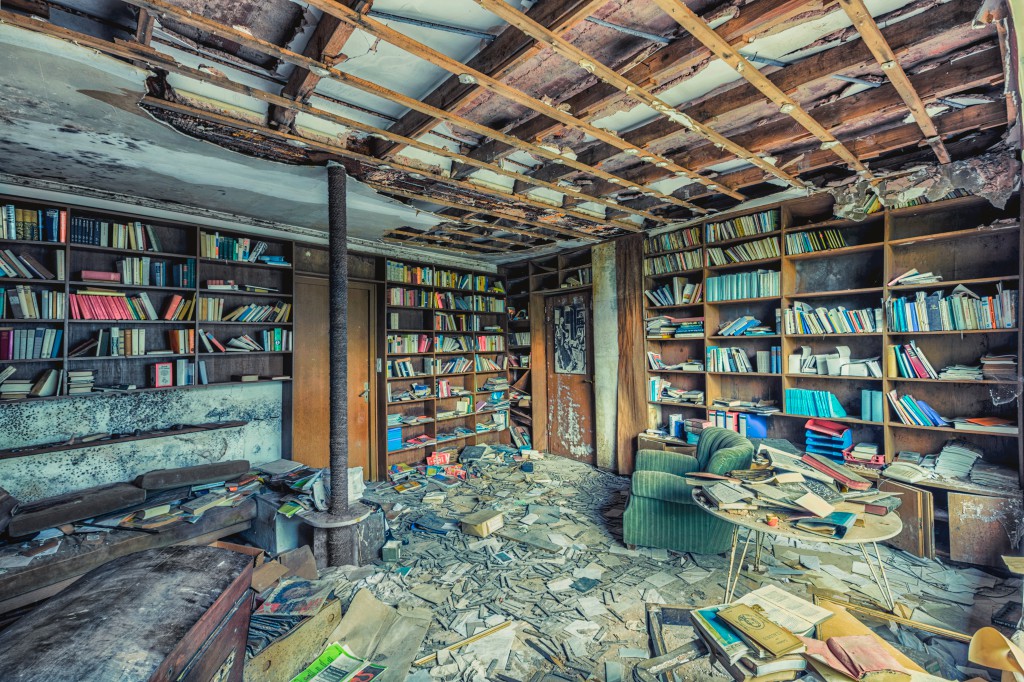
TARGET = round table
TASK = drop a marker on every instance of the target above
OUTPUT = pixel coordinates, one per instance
(874, 530)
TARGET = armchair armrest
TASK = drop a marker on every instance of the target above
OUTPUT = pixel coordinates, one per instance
(667, 462)
(727, 459)
(661, 486)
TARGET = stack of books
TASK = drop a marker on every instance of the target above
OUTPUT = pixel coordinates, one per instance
(956, 459)
(665, 327)
(827, 438)
(80, 381)
(748, 325)
(661, 391)
(962, 373)
(993, 476)
(912, 277)
(999, 367)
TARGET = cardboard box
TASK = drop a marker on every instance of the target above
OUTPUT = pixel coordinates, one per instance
(482, 523)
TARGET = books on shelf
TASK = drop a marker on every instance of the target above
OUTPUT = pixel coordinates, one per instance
(744, 252)
(519, 338)
(671, 241)
(999, 367)
(911, 363)
(666, 327)
(802, 318)
(30, 344)
(446, 300)
(447, 322)
(834, 364)
(447, 344)
(427, 276)
(986, 424)
(813, 241)
(23, 303)
(813, 403)
(740, 285)
(743, 226)
(661, 390)
(748, 325)
(134, 236)
(961, 310)
(731, 360)
(656, 363)
(277, 312)
(456, 365)
(488, 365)
(240, 249)
(993, 476)
(414, 298)
(105, 304)
(962, 373)
(579, 278)
(872, 405)
(912, 277)
(25, 265)
(678, 292)
(673, 262)
(408, 343)
(489, 343)
(401, 367)
(956, 459)
(31, 224)
(915, 412)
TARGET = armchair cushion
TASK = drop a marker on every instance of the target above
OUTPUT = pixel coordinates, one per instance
(667, 462)
(659, 485)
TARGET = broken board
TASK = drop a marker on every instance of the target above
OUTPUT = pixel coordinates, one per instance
(918, 516)
(980, 528)
(289, 656)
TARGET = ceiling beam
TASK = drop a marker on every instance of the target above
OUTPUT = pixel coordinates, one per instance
(934, 26)
(447, 227)
(873, 38)
(324, 45)
(444, 240)
(422, 245)
(611, 77)
(327, 70)
(677, 59)
(467, 73)
(440, 201)
(697, 27)
(983, 68)
(508, 51)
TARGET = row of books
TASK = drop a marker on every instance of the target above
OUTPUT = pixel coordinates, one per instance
(758, 249)
(661, 391)
(914, 412)
(961, 310)
(26, 266)
(134, 236)
(50, 382)
(666, 327)
(142, 270)
(737, 360)
(212, 310)
(672, 241)
(813, 403)
(910, 362)
(744, 423)
(447, 322)
(739, 285)
(449, 301)
(30, 224)
(678, 292)
(409, 343)
(743, 226)
(484, 364)
(872, 405)
(801, 318)
(22, 303)
(118, 342)
(748, 325)
(519, 338)
(673, 262)
(814, 240)
(30, 344)
(428, 276)
(216, 245)
(104, 304)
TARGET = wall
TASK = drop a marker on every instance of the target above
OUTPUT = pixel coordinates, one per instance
(606, 353)
(48, 421)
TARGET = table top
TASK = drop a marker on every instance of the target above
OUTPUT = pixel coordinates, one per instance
(874, 529)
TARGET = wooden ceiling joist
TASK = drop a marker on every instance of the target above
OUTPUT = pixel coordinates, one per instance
(721, 48)
(506, 52)
(448, 228)
(444, 240)
(326, 70)
(935, 25)
(441, 201)
(420, 241)
(873, 38)
(324, 45)
(664, 66)
(439, 59)
(625, 86)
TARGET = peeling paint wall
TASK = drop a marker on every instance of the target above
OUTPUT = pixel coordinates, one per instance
(49, 421)
(606, 353)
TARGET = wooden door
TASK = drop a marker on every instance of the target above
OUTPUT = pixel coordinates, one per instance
(311, 390)
(917, 514)
(982, 529)
(569, 360)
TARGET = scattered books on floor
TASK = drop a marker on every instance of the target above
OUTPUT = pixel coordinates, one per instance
(666, 327)
(961, 310)
(804, 319)
(813, 241)
(740, 285)
(813, 403)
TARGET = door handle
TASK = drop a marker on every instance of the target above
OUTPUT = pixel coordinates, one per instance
(365, 395)
(588, 380)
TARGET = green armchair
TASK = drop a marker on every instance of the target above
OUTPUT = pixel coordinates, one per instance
(661, 512)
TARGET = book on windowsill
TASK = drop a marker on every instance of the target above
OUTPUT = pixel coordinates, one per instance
(245, 377)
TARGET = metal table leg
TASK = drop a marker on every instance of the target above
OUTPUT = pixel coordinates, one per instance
(878, 574)
(734, 582)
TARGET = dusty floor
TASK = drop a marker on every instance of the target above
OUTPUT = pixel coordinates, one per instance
(583, 604)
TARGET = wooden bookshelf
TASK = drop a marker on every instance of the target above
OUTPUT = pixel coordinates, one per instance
(954, 238)
(519, 342)
(472, 326)
(176, 244)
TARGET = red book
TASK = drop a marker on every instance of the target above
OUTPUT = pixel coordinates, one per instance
(826, 427)
(63, 226)
(75, 312)
(837, 471)
(6, 344)
(172, 307)
(101, 276)
(91, 311)
(215, 342)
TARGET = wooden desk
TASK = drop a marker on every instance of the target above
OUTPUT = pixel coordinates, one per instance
(875, 529)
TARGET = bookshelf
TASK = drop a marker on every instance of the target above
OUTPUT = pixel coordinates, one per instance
(519, 344)
(825, 262)
(446, 331)
(160, 265)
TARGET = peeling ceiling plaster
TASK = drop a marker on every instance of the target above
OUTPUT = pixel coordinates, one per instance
(70, 115)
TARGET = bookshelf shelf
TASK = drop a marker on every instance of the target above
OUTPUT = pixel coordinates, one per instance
(956, 332)
(835, 293)
(98, 394)
(954, 282)
(834, 253)
(841, 420)
(179, 261)
(968, 382)
(746, 374)
(740, 240)
(675, 307)
(747, 337)
(834, 336)
(696, 406)
(831, 377)
(972, 233)
(744, 264)
(740, 301)
(950, 429)
(675, 273)
(838, 223)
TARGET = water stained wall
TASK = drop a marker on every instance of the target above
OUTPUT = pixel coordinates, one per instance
(51, 421)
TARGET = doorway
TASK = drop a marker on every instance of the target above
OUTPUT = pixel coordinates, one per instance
(311, 375)
(569, 370)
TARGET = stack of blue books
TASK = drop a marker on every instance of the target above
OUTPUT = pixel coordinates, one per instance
(813, 403)
(395, 438)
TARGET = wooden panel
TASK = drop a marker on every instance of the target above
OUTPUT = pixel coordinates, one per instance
(916, 512)
(570, 397)
(311, 432)
(539, 377)
(632, 411)
(980, 528)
